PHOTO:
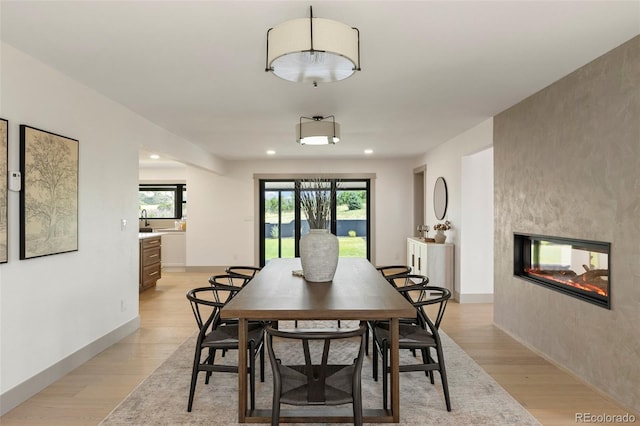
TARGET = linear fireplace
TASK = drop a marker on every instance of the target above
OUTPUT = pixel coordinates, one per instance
(578, 268)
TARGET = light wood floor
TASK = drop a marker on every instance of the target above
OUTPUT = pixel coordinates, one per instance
(86, 395)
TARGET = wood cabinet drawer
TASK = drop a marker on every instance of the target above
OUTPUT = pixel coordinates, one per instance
(151, 242)
(151, 273)
(150, 256)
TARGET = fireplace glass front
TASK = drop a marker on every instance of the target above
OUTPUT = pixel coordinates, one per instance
(578, 268)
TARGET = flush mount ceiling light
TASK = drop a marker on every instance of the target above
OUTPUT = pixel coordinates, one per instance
(317, 130)
(313, 50)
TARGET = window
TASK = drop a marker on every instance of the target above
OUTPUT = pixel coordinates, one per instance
(166, 201)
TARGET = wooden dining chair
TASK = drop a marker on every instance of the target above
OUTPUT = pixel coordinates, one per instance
(316, 381)
(393, 270)
(389, 272)
(228, 286)
(247, 272)
(407, 280)
(215, 335)
(399, 281)
(419, 335)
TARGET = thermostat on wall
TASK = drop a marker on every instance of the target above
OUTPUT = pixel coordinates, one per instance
(15, 181)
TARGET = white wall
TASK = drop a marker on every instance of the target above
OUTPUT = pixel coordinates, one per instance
(54, 309)
(476, 227)
(162, 175)
(222, 209)
(446, 161)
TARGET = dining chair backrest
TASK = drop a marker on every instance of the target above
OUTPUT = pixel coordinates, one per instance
(206, 305)
(405, 280)
(411, 286)
(431, 296)
(390, 271)
(228, 285)
(319, 379)
(423, 295)
(243, 271)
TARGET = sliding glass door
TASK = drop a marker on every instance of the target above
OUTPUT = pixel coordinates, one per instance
(282, 221)
(277, 221)
(352, 218)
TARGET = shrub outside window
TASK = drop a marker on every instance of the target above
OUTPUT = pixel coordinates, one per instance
(167, 201)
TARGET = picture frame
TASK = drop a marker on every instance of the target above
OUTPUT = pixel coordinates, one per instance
(4, 176)
(49, 196)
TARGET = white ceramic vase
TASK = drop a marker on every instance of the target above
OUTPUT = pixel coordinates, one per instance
(319, 255)
(440, 236)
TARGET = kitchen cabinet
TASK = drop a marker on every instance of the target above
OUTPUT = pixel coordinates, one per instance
(432, 260)
(174, 251)
(150, 260)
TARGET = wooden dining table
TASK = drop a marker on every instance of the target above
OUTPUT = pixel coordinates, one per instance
(358, 292)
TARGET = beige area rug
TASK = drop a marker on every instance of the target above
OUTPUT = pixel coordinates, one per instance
(476, 398)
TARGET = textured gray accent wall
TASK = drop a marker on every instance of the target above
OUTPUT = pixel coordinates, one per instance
(567, 163)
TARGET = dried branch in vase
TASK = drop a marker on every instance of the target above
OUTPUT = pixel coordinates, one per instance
(316, 198)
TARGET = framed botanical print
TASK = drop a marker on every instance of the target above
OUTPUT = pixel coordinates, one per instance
(49, 196)
(4, 144)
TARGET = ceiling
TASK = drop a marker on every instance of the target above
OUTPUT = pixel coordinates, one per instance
(430, 69)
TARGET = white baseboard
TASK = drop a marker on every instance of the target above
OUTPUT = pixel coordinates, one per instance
(25, 390)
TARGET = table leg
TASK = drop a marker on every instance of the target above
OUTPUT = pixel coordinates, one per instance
(242, 370)
(394, 372)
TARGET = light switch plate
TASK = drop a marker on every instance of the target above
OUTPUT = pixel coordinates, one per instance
(15, 181)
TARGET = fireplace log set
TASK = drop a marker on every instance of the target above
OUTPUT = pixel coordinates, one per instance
(595, 280)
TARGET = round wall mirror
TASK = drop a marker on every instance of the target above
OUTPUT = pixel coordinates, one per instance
(440, 198)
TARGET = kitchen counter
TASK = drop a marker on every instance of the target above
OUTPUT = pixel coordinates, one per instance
(143, 235)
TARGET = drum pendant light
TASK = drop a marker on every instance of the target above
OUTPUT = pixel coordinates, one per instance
(313, 50)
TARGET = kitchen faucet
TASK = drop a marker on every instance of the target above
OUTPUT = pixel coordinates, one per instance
(143, 215)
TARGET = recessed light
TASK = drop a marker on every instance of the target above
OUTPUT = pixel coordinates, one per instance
(271, 152)
(368, 151)
(154, 156)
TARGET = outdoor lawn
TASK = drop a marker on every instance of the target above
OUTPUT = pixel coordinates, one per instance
(349, 247)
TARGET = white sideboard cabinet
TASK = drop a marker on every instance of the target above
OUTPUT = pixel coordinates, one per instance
(432, 260)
